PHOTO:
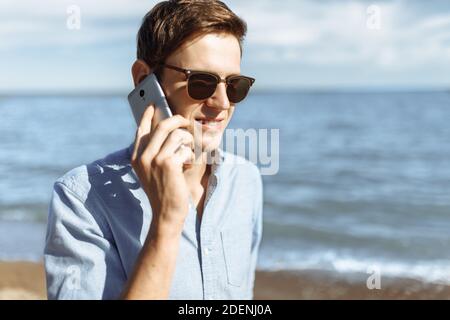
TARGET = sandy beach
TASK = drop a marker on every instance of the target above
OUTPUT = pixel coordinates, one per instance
(313, 284)
(22, 280)
(26, 280)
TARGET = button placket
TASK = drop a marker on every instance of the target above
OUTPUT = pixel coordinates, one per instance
(206, 238)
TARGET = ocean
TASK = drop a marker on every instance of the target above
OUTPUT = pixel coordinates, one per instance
(363, 179)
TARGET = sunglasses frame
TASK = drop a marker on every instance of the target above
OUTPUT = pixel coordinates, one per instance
(188, 73)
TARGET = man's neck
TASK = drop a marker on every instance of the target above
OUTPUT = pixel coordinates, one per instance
(197, 176)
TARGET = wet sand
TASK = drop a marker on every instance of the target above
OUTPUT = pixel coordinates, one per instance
(325, 285)
(22, 280)
(26, 280)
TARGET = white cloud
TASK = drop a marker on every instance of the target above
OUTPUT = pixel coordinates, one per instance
(437, 21)
(32, 23)
(293, 33)
(330, 33)
(303, 31)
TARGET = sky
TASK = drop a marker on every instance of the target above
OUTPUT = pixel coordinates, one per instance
(290, 44)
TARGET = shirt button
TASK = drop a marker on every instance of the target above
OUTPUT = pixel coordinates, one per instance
(207, 250)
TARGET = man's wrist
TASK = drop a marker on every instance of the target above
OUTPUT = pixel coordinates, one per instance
(164, 233)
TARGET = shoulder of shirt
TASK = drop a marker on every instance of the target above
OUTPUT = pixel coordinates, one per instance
(240, 164)
(79, 180)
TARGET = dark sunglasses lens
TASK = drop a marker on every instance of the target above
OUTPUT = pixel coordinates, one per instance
(201, 86)
(237, 89)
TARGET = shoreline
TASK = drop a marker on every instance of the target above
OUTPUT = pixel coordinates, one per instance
(325, 285)
(26, 280)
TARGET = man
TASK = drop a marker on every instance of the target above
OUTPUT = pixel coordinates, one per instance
(155, 220)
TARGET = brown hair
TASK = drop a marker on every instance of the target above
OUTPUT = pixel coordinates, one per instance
(166, 26)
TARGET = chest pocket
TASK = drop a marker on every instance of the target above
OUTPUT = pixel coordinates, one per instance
(236, 246)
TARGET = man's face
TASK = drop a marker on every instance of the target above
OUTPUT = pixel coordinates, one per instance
(216, 53)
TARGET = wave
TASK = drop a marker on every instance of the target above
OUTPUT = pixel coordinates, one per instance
(437, 271)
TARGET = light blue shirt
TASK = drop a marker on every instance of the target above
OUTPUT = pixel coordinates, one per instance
(99, 218)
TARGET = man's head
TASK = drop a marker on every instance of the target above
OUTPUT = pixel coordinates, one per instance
(199, 35)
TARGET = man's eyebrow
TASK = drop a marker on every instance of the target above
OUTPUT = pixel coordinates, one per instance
(215, 72)
(230, 74)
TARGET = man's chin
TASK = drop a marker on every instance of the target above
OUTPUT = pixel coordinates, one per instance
(209, 147)
(208, 143)
(205, 147)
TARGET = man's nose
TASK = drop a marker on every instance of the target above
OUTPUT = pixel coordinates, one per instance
(219, 99)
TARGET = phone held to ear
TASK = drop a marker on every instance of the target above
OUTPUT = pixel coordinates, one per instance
(148, 92)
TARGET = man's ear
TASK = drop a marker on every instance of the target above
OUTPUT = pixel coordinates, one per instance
(140, 70)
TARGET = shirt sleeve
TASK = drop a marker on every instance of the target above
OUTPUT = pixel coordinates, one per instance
(256, 234)
(80, 259)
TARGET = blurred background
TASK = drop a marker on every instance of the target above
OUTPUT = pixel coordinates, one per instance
(360, 91)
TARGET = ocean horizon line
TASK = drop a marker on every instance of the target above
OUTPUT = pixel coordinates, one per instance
(115, 93)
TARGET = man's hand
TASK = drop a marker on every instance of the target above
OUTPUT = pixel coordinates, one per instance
(158, 157)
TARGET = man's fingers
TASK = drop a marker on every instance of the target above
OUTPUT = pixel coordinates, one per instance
(143, 132)
(160, 133)
(184, 155)
(174, 141)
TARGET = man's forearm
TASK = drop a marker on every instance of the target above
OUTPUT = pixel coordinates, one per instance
(153, 272)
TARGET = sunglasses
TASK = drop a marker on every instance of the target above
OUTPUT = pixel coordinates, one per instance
(202, 85)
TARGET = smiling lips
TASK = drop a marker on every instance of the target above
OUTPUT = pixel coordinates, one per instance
(209, 122)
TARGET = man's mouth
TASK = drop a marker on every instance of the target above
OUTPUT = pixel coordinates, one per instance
(209, 122)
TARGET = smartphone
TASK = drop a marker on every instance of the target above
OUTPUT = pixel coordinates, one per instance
(147, 92)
